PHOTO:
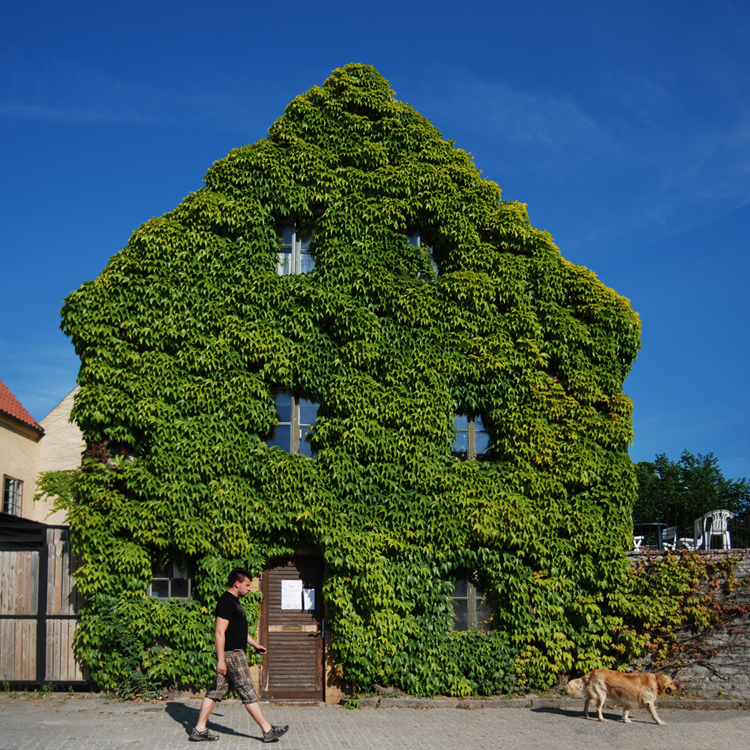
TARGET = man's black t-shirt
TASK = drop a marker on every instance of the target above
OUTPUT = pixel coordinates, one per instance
(228, 608)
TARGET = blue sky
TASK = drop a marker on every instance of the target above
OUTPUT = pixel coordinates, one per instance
(625, 127)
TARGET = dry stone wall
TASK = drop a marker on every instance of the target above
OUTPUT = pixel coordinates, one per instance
(716, 661)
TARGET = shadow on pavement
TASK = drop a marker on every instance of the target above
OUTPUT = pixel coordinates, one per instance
(182, 714)
(573, 713)
(187, 716)
(578, 714)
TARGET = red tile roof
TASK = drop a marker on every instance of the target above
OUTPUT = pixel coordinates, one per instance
(11, 406)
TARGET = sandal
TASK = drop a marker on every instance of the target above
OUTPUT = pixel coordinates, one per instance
(204, 736)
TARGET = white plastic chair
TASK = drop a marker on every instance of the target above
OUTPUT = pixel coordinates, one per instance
(672, 541)
(699, 527)
(669, 537)
(713, 523)
(717, 525)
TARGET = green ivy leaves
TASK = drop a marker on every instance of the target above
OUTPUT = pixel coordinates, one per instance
(188, 332)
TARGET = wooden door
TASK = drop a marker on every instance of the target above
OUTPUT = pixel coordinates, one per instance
(292, 629)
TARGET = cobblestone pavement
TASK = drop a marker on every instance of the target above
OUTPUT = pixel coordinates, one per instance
(62, 723)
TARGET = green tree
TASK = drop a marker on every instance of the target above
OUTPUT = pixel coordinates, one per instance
(189, 332)
(678, 492)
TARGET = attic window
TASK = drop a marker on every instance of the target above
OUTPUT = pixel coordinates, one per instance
(171, 579)
(294, 255)
(472, 440)
(296, 424)
(416, 241)
(472, 610)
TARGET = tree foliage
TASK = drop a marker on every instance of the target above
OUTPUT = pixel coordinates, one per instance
(187, 334)
(678, 492)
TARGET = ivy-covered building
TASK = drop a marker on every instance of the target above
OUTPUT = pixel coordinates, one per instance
(349, 365)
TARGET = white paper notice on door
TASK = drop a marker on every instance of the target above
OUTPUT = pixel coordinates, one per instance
(291, 595)
(308, 599)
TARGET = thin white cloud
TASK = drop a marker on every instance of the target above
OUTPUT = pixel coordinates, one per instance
(557, 125)
(39, 373)
(725, 151)
(73, 116)
(653, 169)
(69, 93)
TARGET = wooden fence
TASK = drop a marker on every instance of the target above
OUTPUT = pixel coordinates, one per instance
(39, 603)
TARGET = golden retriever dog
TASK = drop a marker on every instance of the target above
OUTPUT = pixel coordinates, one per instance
(629, 690)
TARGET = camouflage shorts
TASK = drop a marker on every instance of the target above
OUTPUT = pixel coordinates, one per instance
(237, 677)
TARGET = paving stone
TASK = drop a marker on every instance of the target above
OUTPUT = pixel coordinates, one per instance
(62, 723)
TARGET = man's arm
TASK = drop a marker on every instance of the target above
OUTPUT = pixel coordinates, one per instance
(260, 649)
(221, 637)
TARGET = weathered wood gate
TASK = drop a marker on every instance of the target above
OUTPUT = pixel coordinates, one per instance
(38, 604)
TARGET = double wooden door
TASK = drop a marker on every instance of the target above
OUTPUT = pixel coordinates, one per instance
(292, 628)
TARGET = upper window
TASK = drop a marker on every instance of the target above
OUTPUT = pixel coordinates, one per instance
(472, 610)
(416, 240)
(296, 424)
(171, 579)
(12, 496)
(472, 440)
(294, 256)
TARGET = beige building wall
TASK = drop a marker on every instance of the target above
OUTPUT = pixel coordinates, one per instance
(59, 449)
(19, 451)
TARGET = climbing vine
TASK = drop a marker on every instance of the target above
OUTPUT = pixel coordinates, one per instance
(189, 332)
(679, 600)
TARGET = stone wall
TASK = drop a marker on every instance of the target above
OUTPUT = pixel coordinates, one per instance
(719, 661)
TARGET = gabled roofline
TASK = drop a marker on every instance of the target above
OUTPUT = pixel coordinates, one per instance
(13, 412)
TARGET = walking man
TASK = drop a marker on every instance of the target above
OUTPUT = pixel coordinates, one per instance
(232, 669)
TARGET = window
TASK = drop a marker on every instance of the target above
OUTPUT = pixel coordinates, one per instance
(171, 579)
(296, 424)
(12, 496)
(294, 256)
(471, 608)
(472, 440)
(416, 240)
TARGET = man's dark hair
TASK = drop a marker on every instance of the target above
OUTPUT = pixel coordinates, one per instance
(237, 576)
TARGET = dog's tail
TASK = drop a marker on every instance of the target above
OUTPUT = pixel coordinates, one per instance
(576, 687)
